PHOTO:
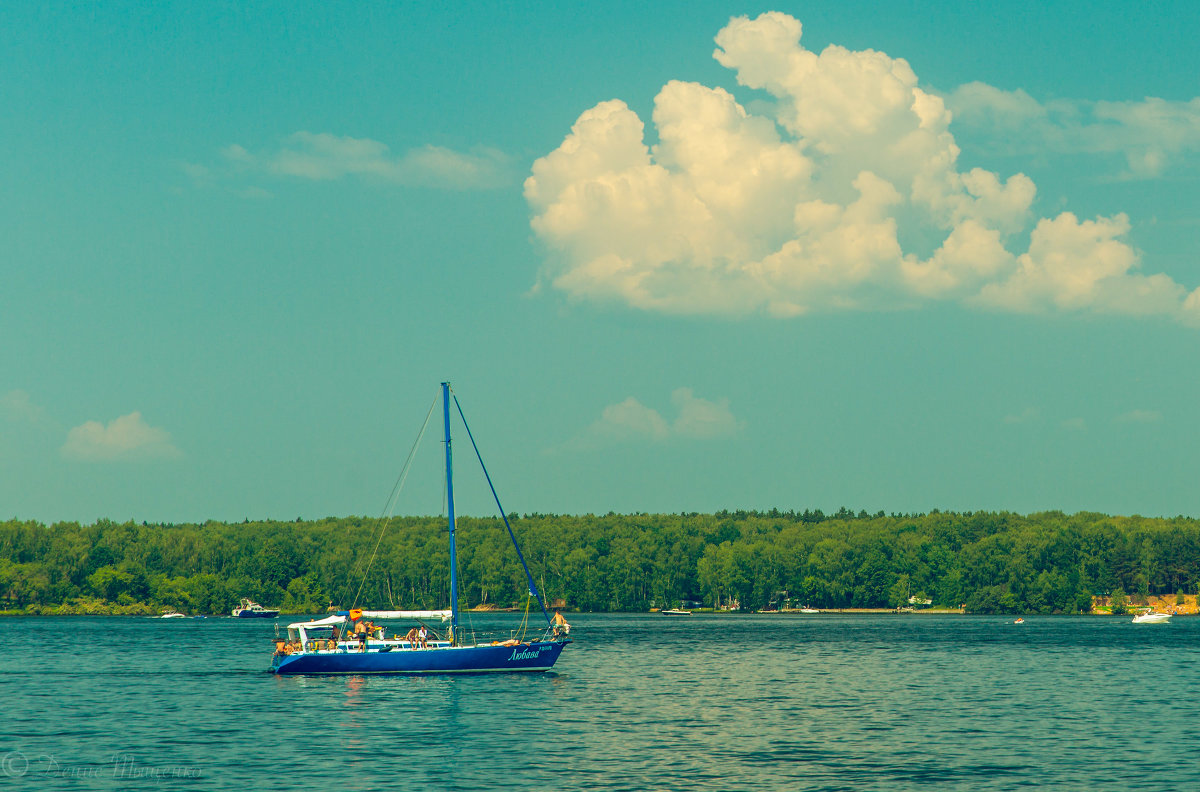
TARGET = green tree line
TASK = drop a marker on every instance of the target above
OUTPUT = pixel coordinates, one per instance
(991, 562)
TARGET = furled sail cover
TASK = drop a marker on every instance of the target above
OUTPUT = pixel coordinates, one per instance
(444, 615)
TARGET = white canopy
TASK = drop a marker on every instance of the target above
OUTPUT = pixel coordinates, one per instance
(444, 615)
(328, 621)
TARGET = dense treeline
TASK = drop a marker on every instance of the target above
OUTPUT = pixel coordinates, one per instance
(991, 562)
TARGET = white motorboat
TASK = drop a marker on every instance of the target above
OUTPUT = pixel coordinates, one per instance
(172, 615)
(249, 609)
(1150, 617)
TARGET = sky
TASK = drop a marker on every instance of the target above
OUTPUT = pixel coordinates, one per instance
(673, 257)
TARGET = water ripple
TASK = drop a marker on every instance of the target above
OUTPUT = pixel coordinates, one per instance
(640, 702)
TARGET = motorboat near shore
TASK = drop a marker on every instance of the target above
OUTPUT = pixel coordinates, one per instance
(675, 612)
(1151, 617)
(249, 609)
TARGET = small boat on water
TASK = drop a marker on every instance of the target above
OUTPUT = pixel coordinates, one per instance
(1150, 617)
(171, 615)
(809, 610)
(1019, 621)
(249, 609)
(349, 642)
(675, 612)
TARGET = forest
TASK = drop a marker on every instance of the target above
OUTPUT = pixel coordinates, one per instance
(989, 562)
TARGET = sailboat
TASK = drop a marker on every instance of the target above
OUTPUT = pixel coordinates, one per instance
(348, 642)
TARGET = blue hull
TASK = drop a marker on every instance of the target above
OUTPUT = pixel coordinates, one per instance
(536, 656)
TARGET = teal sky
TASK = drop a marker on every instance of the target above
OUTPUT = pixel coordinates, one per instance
(949, 262)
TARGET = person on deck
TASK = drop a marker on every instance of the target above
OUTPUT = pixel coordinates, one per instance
(423, 637)
(411, 637)
(560, 626)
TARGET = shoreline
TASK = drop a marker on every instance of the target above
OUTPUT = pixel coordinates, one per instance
(867, 611)
(821, 612)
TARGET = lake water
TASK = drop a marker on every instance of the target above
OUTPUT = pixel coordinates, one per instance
(638, 702)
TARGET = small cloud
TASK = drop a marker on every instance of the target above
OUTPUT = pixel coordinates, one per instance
(322, 156)
(435, 166)
(17, 406)
(126, 438)
(238, 154)
(1025, 416)
(1140, 416)
(701, 418)
(1075, 424)
(200, 175)
(632, 421)
(255, 193)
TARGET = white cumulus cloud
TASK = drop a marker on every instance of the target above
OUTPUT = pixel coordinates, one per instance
(1074, 265)
(802, 205)
(126, 438)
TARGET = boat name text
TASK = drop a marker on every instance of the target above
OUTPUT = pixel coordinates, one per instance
(525, 654)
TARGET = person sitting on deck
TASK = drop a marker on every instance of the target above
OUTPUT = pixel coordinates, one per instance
(560, 626)
(411, 637)
(422, 637)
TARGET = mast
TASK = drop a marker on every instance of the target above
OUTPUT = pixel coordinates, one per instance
(450, 510)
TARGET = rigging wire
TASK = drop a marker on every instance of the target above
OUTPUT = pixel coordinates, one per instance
(386, 517)
(525, 619)
(533, 590)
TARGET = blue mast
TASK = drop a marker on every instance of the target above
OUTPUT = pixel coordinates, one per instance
(450, 510)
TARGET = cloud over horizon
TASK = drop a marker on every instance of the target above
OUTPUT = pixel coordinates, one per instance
(632, 421)
(126, 438)
(801, 205)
